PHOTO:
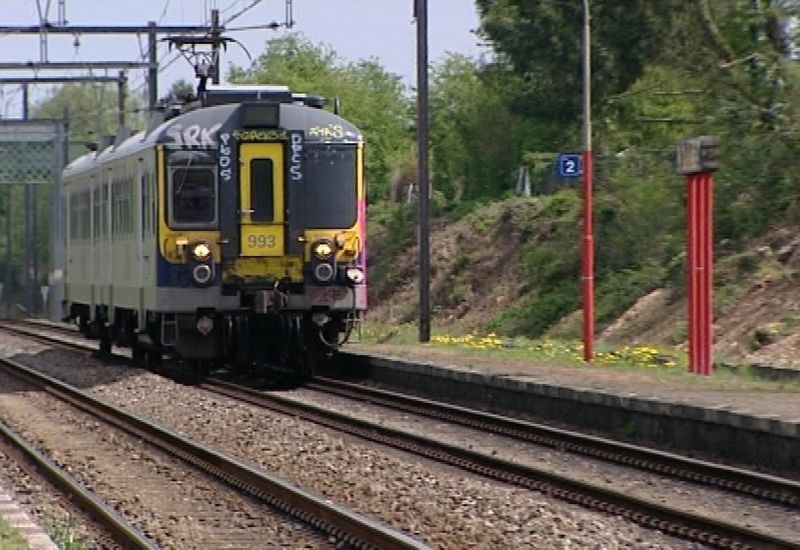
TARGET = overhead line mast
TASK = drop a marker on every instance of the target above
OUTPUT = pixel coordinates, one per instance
(212, 32)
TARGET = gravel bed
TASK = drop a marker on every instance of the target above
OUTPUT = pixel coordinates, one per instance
(61, 519)
(171, 503)
(446, 507)
(768, 518)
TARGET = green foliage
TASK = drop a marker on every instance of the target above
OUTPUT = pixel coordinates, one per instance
(535, 317)
(370, 97)
(473, 153)
(758, 187)
(662, 72)
(619, 290)
(541, 40)
(551, 263)
(391, 230)
(10, 539)
(179, 91)
(90, 109)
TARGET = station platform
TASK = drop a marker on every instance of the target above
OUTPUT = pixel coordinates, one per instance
(748, 418)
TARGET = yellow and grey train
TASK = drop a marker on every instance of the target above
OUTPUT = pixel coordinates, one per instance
(232, 232)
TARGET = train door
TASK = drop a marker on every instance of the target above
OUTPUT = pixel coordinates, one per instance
(261, 200)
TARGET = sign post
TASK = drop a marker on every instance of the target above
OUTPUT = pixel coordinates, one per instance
(697, 160)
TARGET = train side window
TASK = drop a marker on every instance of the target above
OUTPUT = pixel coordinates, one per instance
(147, 203)
(193, 197)
(262, 190)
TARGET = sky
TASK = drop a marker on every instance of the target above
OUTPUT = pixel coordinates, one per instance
(354, 29)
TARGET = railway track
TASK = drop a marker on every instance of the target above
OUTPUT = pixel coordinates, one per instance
(679, 523)
(123, 532)
(345, 526)
(676, 522)
(769, 488)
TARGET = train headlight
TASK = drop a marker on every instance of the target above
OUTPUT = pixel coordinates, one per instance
(201, 251)
(322, 250)
(202, 274)
(354, 275)
(323, 272)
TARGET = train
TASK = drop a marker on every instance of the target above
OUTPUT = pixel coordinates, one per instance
(231, 232)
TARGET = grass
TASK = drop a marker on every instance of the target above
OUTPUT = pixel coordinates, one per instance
(569, 351)
(563, 351)
(10, 539)
(62, 533)
(657, 360)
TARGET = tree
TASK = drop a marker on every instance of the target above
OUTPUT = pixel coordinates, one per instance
(472, 131)
(180, 91)
(92, 109)
(540, 42)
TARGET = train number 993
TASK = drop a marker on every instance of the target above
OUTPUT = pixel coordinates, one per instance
(261, 241)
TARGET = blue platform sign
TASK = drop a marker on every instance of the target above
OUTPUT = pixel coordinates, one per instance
(569, 165)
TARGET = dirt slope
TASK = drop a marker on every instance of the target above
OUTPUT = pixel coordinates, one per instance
(476, 273)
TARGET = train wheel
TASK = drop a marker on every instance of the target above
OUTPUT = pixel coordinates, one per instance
(83, 326)
(105, 339)
(201, 367)
(236, 339)
(138, 353)
(124, 332)
(306, 365)
(285, 344)
(154, 356)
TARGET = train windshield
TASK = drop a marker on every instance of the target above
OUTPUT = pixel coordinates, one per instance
(330, 181)
(193, 197)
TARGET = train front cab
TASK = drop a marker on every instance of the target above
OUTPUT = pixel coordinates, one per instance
(300, 260)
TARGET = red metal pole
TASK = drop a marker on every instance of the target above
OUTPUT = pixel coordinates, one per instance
(710, 271)
(588, 260)
(708, 279)
(587, 274)
(697, 159)
(702, 317)
(700, 268)
(691, 262)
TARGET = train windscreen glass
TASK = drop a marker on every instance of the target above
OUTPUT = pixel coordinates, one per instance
(193, 197)
(330, 181)
(262, 189)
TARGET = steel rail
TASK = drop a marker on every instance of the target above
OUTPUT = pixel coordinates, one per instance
(121, 530)
(719, 534)
(354, 529)
(755, 484)
(678, 523)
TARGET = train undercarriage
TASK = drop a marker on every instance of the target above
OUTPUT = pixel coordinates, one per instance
(294, 343)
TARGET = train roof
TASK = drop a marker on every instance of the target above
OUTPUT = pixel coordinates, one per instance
(198, 128)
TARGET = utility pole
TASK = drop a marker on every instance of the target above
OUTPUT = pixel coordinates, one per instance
(215, 38)
(121, 82)
(152, 71)
(421, 14)
(42, 30)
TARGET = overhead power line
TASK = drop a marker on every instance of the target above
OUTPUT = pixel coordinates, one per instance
(152, 30)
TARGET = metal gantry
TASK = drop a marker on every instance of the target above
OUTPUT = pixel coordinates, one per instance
(34, 152)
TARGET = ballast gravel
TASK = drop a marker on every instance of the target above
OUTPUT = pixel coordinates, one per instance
(443, 506)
